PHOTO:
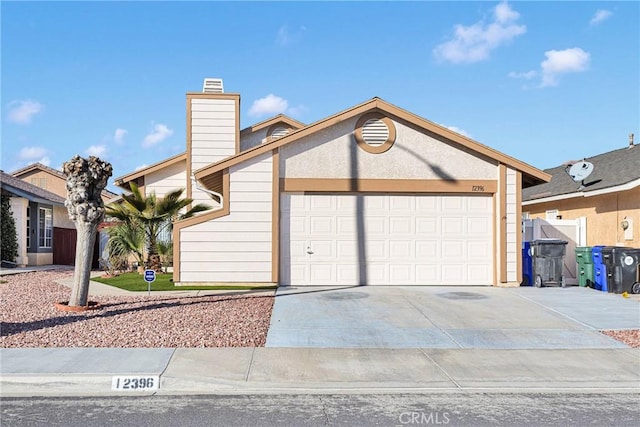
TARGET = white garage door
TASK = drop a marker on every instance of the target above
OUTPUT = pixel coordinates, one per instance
(386, 239)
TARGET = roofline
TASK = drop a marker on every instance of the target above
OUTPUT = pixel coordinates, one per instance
(121, 180)
(375, 104)
(32, 196)
(273, 120)
(616, 188)
(41, 167)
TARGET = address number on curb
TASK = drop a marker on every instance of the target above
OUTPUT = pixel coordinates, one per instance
(135, 383)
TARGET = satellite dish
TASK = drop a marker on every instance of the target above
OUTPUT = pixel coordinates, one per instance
(579, 171)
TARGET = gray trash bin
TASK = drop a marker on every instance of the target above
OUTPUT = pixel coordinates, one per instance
(547, 256)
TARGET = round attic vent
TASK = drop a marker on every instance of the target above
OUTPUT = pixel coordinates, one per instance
(375, 133)
(277, 131)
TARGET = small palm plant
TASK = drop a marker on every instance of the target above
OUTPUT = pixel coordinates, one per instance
(153, 216)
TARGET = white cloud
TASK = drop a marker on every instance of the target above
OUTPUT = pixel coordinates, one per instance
(475, 43)
(22, 112)
(526, 75)
(31, 153)
(559, 62)
(458, 130)
(160, 133)
(270, 104)
(142, 166)
(97, 150)
(45, 161)
(600, 16)
(118, 135)
(285, 37)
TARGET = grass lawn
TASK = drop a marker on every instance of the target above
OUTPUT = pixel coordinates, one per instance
(135, 282)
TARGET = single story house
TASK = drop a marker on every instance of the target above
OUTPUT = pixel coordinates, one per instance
(372, 195)
(42, 222)
(607, 201)
(64, 230)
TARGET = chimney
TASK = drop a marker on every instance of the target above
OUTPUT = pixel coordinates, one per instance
(212, 86)
(630, 140)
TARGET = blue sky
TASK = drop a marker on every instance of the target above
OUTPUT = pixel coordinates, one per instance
(545, 82)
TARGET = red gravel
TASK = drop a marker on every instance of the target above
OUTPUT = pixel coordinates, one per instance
(630, 337)
(29, 318)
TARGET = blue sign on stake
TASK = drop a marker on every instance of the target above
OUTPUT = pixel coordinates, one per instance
(149, 276)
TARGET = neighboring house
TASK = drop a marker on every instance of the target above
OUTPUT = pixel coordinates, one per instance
(50, 179)
(608, 203)
(42, 222)
(372, 195)
(64, 234)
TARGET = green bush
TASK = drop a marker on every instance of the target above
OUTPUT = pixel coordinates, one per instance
(8, 235)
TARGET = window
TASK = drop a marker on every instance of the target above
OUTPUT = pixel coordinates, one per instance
(45, 229)
(28, 227)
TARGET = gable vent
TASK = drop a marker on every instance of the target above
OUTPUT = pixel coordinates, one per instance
(212, 86)
(279, 132)
(375, 132)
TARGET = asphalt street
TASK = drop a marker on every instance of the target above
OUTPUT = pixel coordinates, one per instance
(480, 409)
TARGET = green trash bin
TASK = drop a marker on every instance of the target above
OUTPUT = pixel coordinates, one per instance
(585, 266)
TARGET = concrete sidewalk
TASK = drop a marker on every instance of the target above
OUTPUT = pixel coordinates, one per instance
(66, 371)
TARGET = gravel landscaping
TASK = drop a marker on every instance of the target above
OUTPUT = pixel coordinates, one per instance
(29, 318)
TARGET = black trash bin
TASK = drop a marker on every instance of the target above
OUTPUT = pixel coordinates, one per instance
(609, 254)
(547, 256)
(623, 269)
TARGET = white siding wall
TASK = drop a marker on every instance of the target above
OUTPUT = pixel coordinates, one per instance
(213, 135)
(19, 210)
(237, 247)
(167, 179)
(512, 250)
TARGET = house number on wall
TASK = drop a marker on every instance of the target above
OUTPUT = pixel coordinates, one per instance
(477, 188)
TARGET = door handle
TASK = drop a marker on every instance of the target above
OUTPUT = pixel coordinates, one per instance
(309, 251)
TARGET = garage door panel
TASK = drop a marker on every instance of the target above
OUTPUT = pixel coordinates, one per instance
(401, 249)
(406, 239)
(427, 250)
(321, 224)
(453, 274)
(478, 225)
(453, 226)
(453, 250)
(400, 225)
(427, 225)
(375, 225)
(376, 250)
(427, 274)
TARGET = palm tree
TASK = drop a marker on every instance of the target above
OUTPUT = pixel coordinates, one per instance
(153, 215)
(126, 239)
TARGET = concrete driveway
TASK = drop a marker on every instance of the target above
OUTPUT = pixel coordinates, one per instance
(449, 317)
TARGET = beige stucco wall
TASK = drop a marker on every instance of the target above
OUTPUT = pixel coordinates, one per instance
(19, 210)
(604, 214)
(54, 184)
(40, 258)
(61, 218)
(333, 153)
(252, 139)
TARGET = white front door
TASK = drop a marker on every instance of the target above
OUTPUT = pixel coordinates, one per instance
(386, 239)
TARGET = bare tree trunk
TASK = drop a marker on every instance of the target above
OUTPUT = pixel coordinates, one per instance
(86, 238)
(85, 181)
